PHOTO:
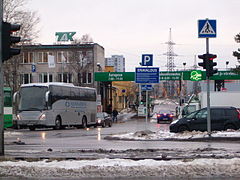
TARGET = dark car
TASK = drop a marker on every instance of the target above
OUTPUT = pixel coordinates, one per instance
(222, 118)
(164, 116)
(103, 119)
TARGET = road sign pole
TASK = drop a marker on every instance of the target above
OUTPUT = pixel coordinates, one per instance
(146, 109)
(208, 95)
(1, 86)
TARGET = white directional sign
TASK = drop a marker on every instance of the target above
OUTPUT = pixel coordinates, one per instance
(207, 28)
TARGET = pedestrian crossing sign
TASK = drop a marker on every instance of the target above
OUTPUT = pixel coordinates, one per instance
(207, 28)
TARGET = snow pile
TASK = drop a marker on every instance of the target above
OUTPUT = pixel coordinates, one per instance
(166, 135)
(123, 168)
(12, 133)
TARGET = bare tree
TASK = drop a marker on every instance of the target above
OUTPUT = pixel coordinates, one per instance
(14, 11)
(79, 64)
(85, 39)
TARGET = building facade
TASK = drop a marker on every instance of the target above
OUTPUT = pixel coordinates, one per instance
(59, 63)
(117, 61)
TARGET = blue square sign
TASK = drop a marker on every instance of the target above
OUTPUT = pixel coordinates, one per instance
(147, 75)
(207, 28)
(147, 60)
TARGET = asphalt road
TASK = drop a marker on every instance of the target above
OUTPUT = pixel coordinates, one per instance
(73, 142)
(90, 142)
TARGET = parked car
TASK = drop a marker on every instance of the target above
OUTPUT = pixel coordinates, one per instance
(164, 116)
(222, 118)
(103, 119)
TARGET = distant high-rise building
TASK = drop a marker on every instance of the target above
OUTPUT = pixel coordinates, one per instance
(117, 61)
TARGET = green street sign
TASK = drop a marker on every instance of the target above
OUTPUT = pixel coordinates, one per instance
(114, 76)
(171, 76)
(65, 36)
(196, 75)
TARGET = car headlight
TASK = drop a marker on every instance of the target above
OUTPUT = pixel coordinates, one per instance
(19, 117)
(42, 117)
(99, 120)
(174, 122)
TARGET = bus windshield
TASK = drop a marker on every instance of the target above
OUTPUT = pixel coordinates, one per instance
(32, 98)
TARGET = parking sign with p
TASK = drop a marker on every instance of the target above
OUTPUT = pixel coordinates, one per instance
(147, 60)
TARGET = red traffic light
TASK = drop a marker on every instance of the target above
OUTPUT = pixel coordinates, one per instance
(211, 56)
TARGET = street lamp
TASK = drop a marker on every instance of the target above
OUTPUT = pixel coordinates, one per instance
(227, 62)
(99, 69)
(184, 64)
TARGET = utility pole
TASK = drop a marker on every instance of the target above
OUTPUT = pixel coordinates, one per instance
(1, 86)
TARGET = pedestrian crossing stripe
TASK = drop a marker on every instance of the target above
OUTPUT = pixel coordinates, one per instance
(207, 29)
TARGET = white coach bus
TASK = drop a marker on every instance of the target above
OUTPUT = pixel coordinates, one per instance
(55, 105)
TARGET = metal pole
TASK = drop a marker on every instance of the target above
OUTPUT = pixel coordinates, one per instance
(1, 86)
(146, 108)
(208, 94)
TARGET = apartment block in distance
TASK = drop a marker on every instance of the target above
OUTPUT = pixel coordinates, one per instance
(117, 61)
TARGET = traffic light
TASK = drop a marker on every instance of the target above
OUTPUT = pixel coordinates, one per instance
(211, 71)
(8, 40)
(204, 63)
(208, 63)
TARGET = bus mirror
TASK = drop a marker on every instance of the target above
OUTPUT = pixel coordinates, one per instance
(47, 96)
(15, 96)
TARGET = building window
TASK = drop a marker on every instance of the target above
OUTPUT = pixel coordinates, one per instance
(65, 77)
(79, 78)
(26, 78)
(40, 57)
(62, 57)
(84, 77)
(89, 78)
(27, 57)
(45, 57)
(45, 77)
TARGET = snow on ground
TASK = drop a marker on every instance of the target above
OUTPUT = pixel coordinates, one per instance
(123, 168)
(164, 135)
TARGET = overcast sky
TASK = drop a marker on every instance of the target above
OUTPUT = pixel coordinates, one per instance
(134, 27)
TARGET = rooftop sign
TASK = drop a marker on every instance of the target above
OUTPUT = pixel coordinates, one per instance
(64, 36)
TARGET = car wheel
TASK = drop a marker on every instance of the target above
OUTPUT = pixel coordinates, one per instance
(58, 123)
(84, 122)
(183, 128)
(32, 128)
(104, 124)
(110, 124)
(229, 126)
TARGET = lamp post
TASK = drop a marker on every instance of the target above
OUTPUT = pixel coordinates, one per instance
(99, 70)
(227, 62)
(184, 64)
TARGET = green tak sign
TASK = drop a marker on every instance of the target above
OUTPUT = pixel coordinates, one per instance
(65, 36)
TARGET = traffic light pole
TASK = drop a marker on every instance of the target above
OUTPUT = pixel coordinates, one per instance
(208, 94)
(1, 86)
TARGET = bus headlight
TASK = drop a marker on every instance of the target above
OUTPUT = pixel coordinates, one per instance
(18, 117)
(42, 117)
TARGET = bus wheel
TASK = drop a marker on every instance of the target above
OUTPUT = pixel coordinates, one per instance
(58, 123)
(32, 128)
(84, 122)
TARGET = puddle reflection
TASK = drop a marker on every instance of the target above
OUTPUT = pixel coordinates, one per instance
(99, 134)
(43, 136)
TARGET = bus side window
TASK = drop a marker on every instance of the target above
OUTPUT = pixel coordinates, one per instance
(83, 94)
(74, 94)
(66, 92)
(56, 93)
(92, 95)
